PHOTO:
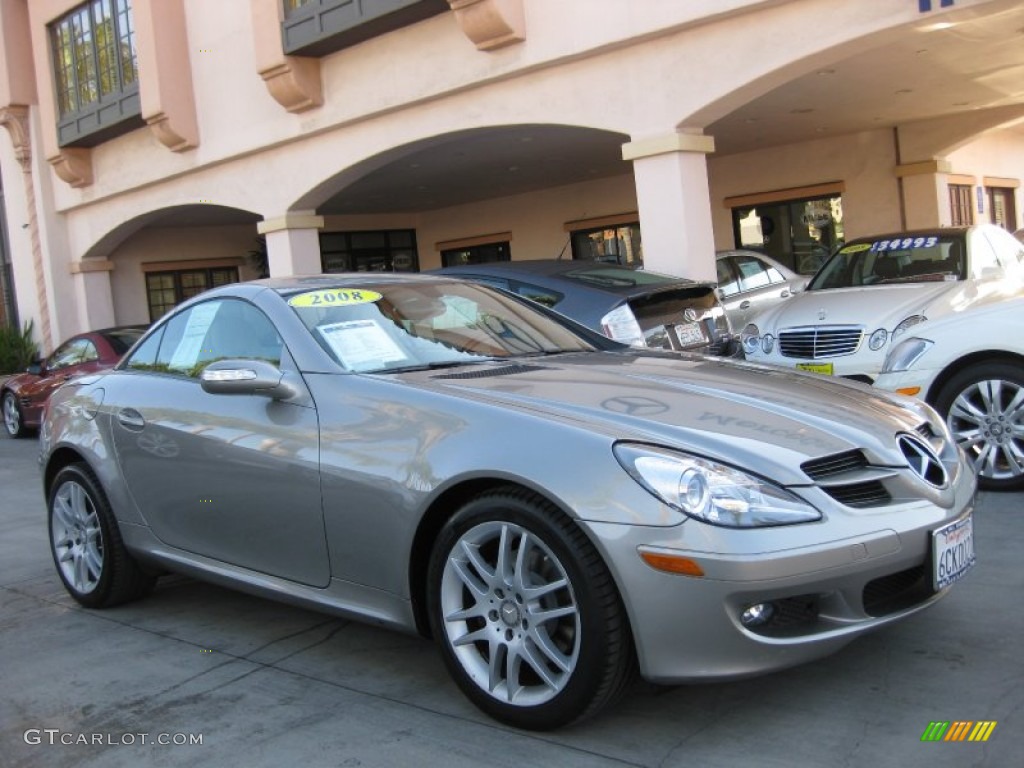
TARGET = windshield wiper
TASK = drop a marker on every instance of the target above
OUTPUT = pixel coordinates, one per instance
(438, 365)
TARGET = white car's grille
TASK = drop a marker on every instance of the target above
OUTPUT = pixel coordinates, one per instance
(820, 341)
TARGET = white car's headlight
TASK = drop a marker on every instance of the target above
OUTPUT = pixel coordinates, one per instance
(750, 339)
(711, 492)
(905, 355)
(906, 325)
(877, 339)
(620, 324)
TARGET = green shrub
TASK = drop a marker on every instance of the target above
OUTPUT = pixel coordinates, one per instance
(17, 348)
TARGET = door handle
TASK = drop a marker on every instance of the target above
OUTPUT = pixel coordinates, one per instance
(745, 304)
(131, 419)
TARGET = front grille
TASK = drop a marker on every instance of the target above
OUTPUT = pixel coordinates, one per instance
(791, 617)
(897, 591)
(842, 476)
(820, 341)
(836, 464)
(869, 494)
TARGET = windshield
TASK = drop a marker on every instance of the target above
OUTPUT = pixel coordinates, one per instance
(906, 259)
(381, 327)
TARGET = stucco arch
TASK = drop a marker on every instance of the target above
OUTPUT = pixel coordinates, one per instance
(474, 164)
(170, 217)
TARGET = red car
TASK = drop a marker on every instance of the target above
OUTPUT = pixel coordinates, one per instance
(22, 397)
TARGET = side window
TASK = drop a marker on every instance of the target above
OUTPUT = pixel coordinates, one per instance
(213, 330)
(727, 284)
(70, 353)
(144, 358)
(753, 273)
(982, 255)
(89, 352)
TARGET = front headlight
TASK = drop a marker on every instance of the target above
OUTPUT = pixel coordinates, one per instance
(877, 340)
(906, 325)
(905, 355)
(711, 492)
(750, 338)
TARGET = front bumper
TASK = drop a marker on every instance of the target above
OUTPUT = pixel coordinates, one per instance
(919, 379)
(689, 629)
(863, 366)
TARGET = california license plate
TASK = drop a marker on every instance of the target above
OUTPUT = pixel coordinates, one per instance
(825, 368)
(952, 552)
(690, 334)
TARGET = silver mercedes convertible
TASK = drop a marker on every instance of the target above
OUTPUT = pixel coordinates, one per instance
(557, 510)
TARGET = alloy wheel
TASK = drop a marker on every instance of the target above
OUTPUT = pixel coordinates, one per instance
(510, 614)
(987, 420)
(77, 537)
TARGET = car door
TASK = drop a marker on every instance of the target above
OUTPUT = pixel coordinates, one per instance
(72, 358)
(231, 477)
(753, 285)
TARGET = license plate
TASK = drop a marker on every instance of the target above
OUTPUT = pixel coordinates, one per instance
(825, 368)
(690, 334)
(952, 552)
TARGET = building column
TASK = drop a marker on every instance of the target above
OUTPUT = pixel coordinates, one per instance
(93, 295)
(671, 176)
(924, 193)
(293, 243)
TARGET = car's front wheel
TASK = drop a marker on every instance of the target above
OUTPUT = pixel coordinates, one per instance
(86, 544)
(13, 421)
(528, 618)
(984, 407)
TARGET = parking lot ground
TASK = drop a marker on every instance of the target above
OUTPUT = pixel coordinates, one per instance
(264, 684)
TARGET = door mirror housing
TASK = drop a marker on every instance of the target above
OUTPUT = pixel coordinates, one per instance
(247, 377)
(35, 368)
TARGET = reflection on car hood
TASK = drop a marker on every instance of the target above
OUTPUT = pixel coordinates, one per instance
(743, 414)
(883, 306)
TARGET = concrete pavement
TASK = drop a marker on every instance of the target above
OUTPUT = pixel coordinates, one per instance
(263, 684)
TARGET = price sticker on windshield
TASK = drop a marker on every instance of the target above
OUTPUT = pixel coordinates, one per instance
(334, 297)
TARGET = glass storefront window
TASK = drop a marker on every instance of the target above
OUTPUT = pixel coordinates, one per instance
(476, 254)
(391, 250)
(798, 233)
(612, 245)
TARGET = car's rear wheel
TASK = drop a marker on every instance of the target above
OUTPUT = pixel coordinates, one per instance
(528, 618)
(86, 544)
(984, 407)
(14, 424)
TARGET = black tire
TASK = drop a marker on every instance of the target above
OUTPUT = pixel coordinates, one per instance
(979, 405)
(86, 544)
(584, 652)
(14, 421)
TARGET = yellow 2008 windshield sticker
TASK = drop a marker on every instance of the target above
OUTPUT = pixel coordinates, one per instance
(856, 248)
(334, 297)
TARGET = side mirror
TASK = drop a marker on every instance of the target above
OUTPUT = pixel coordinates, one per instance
(720, 293)
(247, 377)
(36, 368)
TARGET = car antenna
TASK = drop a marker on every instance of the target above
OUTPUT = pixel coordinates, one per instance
(568, 240)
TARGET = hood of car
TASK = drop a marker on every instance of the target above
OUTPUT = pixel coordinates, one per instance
(883, 306)
(744, 414)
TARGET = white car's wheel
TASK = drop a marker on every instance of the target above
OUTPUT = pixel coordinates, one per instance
(86, 544)
(984, 407)
(529, 621)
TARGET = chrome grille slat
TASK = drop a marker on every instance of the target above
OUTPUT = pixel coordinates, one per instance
(816, 342)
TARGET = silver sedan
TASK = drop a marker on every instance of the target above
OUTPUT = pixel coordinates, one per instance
(557, 510)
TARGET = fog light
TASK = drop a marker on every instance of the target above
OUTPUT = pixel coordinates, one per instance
(757, 614)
